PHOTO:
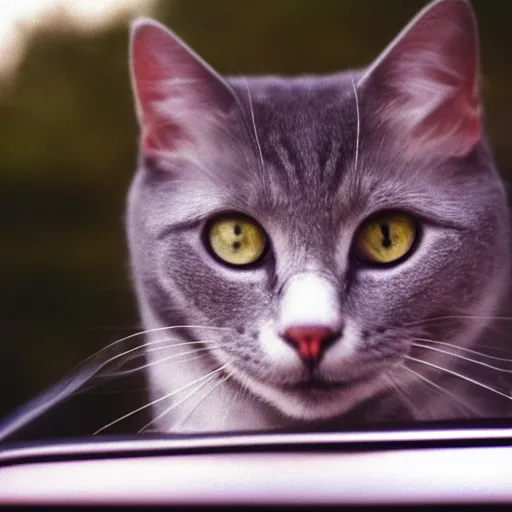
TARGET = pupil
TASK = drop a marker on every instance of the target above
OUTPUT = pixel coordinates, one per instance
(237, 229)
(386, 241)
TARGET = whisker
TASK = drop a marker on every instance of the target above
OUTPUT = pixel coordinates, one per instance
(195, 390)
(458, 356)
(183, 420)
(401, 393)
(165, 397)
(154, 363)
(123, 391)
(456, 317)
(431, 383)
(151, 331)
(460, 376)
(233, 397)
(139, 348)
(165, 346)
(356, 157)
(76, 381)
(455, 347)
(253, 120)
(174, 345)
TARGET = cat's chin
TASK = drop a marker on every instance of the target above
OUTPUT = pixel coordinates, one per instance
(316, 400)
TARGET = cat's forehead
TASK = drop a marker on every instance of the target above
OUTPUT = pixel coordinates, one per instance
(304, 131)
(302, 125)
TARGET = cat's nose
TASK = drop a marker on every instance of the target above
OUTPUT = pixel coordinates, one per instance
(310, 341)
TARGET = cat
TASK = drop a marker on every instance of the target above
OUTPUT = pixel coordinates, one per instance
(319, 250)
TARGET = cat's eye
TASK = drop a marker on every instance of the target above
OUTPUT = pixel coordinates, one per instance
(385, 238)
(236, 239)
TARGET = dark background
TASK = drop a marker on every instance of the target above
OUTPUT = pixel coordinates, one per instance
(68, 149)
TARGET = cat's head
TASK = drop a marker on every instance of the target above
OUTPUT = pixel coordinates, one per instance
(327, 222)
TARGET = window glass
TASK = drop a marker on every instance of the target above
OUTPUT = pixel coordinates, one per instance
(327, 253)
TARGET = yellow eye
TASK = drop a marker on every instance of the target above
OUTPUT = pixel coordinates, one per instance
(385, 238)
(236, 239)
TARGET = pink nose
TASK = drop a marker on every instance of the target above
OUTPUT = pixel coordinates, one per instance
(310, 341)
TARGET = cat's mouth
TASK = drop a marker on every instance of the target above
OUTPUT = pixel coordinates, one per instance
(316, 384)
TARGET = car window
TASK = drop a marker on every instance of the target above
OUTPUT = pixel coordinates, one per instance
(70, 364)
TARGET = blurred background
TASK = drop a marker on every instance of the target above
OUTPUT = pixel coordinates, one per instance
(68, 142)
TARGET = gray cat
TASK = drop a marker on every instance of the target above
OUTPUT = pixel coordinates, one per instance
(319, 250)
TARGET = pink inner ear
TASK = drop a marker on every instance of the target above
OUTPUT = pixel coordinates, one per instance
(179, 97)
(457, 122)
(429, 79)
(151, 53)
(147, 70)
(154, 139)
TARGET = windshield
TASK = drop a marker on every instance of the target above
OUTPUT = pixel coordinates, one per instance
(254, 216)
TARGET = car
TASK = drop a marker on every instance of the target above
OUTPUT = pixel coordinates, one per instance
(456, 464)
(63, 211)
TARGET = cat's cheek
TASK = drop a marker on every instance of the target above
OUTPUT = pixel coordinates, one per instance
(222, 296)
(411, 290)
(340, 361)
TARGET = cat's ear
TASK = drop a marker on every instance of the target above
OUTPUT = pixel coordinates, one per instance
(428, 81)
(179, 98)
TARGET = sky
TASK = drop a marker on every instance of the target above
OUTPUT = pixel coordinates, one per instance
(19, 17)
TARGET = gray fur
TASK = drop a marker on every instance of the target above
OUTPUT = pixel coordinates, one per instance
(284, 152)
